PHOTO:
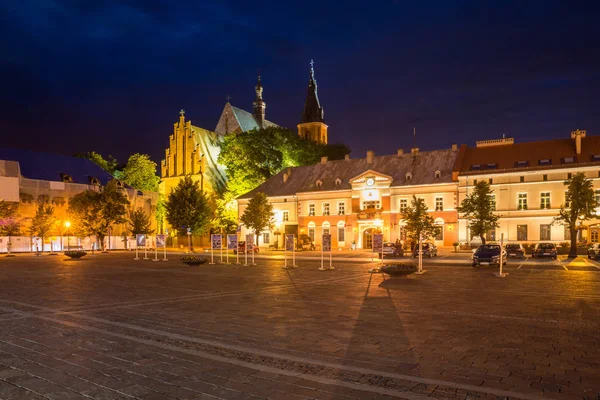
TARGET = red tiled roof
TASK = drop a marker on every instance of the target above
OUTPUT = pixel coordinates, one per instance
(507, 156)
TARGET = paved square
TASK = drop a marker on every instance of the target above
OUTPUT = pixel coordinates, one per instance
(109, 327)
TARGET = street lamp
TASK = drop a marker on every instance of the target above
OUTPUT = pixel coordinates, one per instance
(68, 225)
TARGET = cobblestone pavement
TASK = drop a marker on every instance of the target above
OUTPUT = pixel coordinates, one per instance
(109, 327)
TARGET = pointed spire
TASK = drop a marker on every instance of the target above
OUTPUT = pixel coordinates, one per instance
(259, 105)
(313, 112)
(181, 117)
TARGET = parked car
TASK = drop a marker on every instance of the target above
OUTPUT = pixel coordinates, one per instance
(391, 249)
(515, 250)
(242, 248)
(428, 249)
(488, 254)
(594, 251)
(544, 249)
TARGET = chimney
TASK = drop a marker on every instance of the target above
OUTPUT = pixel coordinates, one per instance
(400, 152)
(577, 135)
(286, 174)
(414, 151)
(454, 147)
(370, 155)
(347, 157)
(324, 160)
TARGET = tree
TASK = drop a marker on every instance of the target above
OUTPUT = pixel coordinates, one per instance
(95, 212)
(140, 173)
(43, 222)
(187, 207)
(9, 226)
(110, 165)
(259, 214)
(478, 208)
(418, 221)
(580, 205)
(139, 223)
(225, 218)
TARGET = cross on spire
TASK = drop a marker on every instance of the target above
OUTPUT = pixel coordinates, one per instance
(182, 112)
(228, 98)
(312, 63)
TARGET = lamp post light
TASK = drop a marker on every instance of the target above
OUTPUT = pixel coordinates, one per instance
(68, 225)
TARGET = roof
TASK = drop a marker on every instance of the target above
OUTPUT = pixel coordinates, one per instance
(49, 166)
(303, 179)
(313, 112)
(235, 119)
(526, 156)
(248, 121)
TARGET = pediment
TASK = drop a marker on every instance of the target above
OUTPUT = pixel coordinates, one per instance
(377, 176)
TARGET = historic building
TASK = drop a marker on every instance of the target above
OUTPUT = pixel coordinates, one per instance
(528, 184)
(28, 178)
(312, 124)
(356, 197)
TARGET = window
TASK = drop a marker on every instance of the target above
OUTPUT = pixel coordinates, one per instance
(545, 161)
(596, 157)
(521, 164)
(285, 216)
(597, 192)
(326, 230)
(568, 160)
(311, 210)
(493, 201)
(266, 237)
(567, 202)
(545, 200)
(594, 235)
(545, 232)
(437, 174)
(371, 204)
(408, 176)
(521, 232)
(475, 182)
(491, 181)
(325, 208)
(521, 179)
(567, 233)
(476, 167)
(319, 183)
(491, 166)
(311, 234)
(403, 204)
(338, 181)
(545, 177)
(522, 204)
(341, 234)
(440, 235)
(569, 175)
(439, 204)
(341, 208)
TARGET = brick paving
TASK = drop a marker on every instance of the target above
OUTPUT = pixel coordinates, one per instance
(109, 327)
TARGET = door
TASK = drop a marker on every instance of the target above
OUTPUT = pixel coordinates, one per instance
(368, 237)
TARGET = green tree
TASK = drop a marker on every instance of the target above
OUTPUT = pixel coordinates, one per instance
(478, 209)
(139, 223)
(110, 165)
(418, 221)
(187, 207)
(43, 222)
(161, 212)
(580, 206)
(95, 212)
(259, 214)
(140, 173)
(225, 218)
(9, 226)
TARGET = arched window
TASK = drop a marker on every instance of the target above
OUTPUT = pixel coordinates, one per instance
(440, 223)
(338, 181)
(326, 228)
(408, 176)
(311, 230)
(341, 231)
(438, 174)
(319, 183)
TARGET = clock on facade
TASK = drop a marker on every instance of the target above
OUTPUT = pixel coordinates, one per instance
(370, 182)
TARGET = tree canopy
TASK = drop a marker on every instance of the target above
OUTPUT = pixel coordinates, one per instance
(418, 221)
(258, 215)
(9, 226)
(139, 223)
(580, 206)
(225, 219)
(478, 207)
(140, 173)
(110, 164)
(252, 157)
(187, 207)
(43, 222)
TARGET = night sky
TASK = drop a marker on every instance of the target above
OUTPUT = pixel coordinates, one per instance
(111, 76)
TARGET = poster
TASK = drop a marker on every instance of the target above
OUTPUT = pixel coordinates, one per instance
(327, 242)
(232, 242)
(216, 241)
(289, 242)
(377, 241)
(140, 240)
(249, 241)
(160, 241)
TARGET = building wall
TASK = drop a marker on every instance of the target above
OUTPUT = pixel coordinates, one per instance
(313, 131)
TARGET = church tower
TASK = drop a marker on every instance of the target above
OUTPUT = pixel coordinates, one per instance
(312, 125)
(259, 105)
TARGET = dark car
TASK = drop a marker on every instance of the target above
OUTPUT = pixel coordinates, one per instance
(488, 254)
(594, 251)
(515, 250)
(242, 248)
(544, 250)
(428, 250)
(391, 249)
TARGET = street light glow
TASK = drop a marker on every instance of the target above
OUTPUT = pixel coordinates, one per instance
(67, 224)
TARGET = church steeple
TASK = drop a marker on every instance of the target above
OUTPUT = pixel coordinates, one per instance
(312, 124)
(259, 105)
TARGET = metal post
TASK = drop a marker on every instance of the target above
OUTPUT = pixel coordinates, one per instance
(136, 249)
(501, 274)
(221, 249)
(145, 247)
(331, 259)
(420, 270)
(165, 251)
(322, 251)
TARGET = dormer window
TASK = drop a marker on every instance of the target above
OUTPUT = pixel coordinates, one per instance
(409, 176)
(568, 160)
(319, 183)
(120, 185)
(66, 178)
(476, 167)
(491, 166)
(596, 157)
(521, 164)
(545, 161)
(94, 181)
(437, 174)
(338, 181)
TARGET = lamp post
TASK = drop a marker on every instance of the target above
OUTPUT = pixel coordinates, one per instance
(67, 225)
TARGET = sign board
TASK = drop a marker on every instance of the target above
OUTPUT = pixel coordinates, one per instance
(249, 241)
(289, 242)
(216, 241)
(377, 241)
(140, 240)
(160, 241)
(232, 242)
(189, 231)
(326, 242)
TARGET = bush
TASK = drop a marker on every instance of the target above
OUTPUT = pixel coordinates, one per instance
(75, 253)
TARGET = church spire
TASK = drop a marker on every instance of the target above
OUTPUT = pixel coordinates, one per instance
(259, 105)
(313, 112)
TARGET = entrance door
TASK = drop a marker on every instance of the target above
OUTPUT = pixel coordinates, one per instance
(368, 237)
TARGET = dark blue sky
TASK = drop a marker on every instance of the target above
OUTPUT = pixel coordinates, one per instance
(111, 76)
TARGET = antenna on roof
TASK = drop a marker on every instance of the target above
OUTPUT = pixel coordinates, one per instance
(414, 137)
